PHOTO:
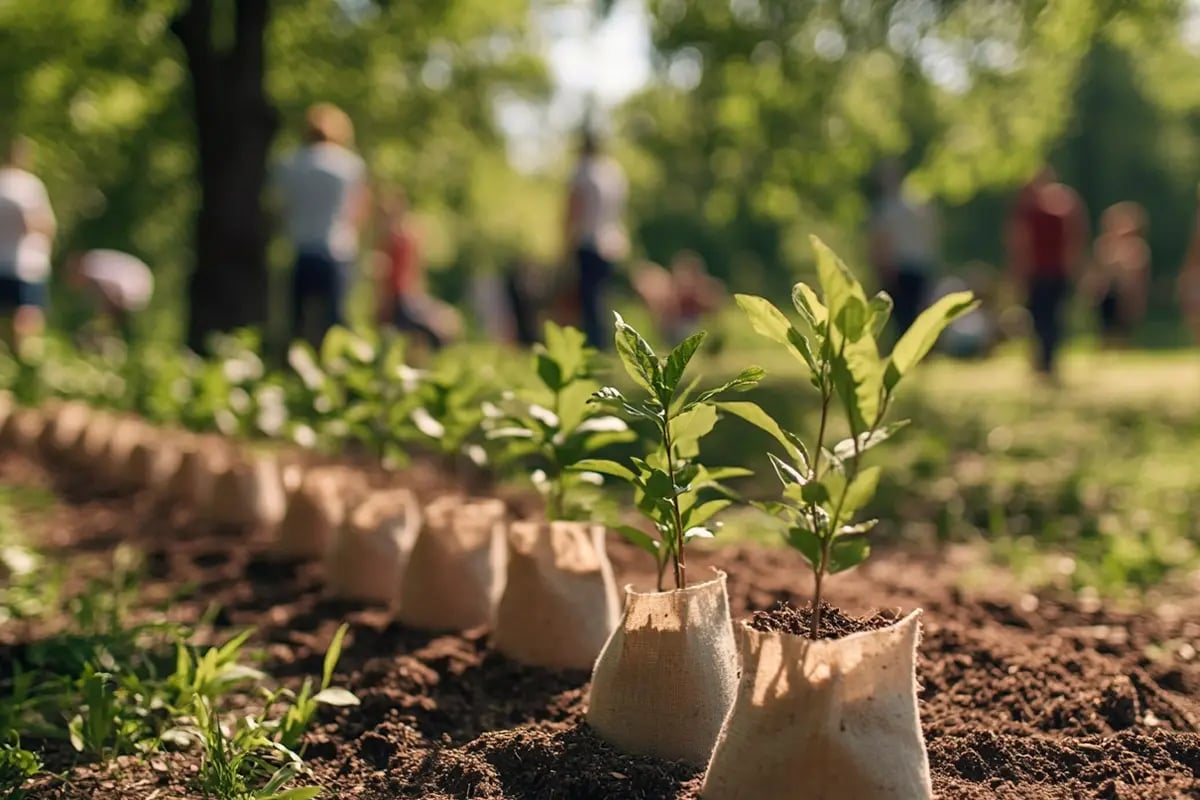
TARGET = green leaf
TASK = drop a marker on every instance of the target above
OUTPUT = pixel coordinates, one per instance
(858, 527)
(814, 492)
(847, 552)
(745, 380)
(810, 307)
(753, 413)
(788, 474)
(845, 449)
(852, 318)
(605, 467)
(706, 511)
(765, 318)
(548, 371)
(838, 284)
(334, 696)
(806, 542)
(333, 654)
(861, 490)
(694, 424)
(659, 485)
(567, 347)
(679, 359)
(879, 311)
(918, 340)
(301, 793)
(639, 538)
(638, 357)
(573, 404)
(724, 473)
(800, 343)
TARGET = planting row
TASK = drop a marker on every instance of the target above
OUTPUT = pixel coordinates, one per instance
(829, 708)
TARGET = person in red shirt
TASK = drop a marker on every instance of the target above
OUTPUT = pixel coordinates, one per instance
(1047, 243)
(403, 300)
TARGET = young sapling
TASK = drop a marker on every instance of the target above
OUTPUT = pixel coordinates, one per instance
(824, 487)
(552, 426)
(677, 493)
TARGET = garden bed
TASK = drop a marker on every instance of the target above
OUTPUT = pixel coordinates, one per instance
(1021, 697)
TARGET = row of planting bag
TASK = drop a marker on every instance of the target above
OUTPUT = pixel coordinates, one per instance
(824, 720)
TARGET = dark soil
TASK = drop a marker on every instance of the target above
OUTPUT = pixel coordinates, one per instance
(835, 623)
(1021, 697)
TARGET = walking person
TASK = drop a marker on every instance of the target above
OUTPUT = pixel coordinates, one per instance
(1047, 243)
(1120, 274)
(27, 228)
(903, 247)
(1188, 283)
(323, 189)
(595, 233)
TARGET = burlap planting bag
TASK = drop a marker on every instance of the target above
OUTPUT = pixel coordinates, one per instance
(456, 572)
(115, 466)
(560, 599)
(668, 674)
(247, 491)
(371, 551)
(316, 508)
(21, 431)
(155, 460)
(200, 461)
(826, 720)
(88, 452)
(65, 424)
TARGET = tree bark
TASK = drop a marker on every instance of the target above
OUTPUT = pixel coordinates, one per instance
(235, 124)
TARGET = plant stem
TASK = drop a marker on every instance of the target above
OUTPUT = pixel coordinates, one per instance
(677, 554)
(818, 574)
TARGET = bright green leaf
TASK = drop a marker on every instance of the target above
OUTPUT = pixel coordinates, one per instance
(752, 413)
(806, 542)
(679, 359)
(918, 340)
(605, 467)
(847, 552)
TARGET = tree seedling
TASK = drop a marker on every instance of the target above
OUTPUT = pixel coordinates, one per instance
(672, 488)
(824, 488)
(552, 427)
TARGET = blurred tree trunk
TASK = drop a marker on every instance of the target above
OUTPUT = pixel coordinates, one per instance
(235, 123)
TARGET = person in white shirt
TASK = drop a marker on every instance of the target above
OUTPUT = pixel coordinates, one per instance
(323, 189)
(595, 233)
(904, 247)
(120, 284)
(27, 228)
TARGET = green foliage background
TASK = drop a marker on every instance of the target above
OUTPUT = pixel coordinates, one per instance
(760, 127)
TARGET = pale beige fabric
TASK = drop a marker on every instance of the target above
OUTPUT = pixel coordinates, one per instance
(368, 560)
(668, 674)
(125, 435)
(21, 431)
(201, 460)
(456, 572)
(64, 427)
(560, 600)
(88, 452)
(248, 490)
(155, 460)
(826, 720)
(316, 508)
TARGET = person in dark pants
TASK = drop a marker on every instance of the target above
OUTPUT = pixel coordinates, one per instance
(1047, 239)
(904, 247)
(325, 199)
(595, 233)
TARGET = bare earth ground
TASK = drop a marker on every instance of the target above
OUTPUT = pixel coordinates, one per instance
(1021, 698)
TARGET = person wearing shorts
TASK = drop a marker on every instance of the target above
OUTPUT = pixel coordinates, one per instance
(27, 227)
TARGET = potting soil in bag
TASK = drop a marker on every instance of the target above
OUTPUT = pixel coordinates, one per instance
(560, 600)
(668, 674)
(834, 719)
(368, 559)
(315, 510)
(456, 571)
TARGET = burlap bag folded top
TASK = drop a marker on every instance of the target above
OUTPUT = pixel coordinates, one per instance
(247, 491)
(456, 571)
(668, 674)
(369, 557)
(560, 600)
(201, 460)
(21, 431)
(125, 434)
(826, 720)
(155, 460)
(316, 508)
(88, 451)
(64, 426)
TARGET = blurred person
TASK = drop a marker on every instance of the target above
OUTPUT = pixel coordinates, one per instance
(680, 298)
(119, 284)
(326, 201)
(903, 246)
(1188, 284)
(1120, 274)
(974, 334)
(1046, 238)
(595, 234)
(404, 301)
(27, 227)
